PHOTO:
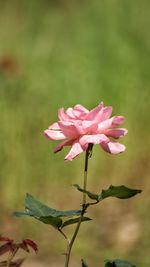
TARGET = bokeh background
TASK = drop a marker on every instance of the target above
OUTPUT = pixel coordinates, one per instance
(57, 53)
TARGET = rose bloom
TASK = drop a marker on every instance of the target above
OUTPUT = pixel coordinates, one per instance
(79, 127)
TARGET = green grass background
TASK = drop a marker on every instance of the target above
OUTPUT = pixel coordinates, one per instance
(69, 52)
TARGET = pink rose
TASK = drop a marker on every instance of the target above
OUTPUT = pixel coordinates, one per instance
(79, 127)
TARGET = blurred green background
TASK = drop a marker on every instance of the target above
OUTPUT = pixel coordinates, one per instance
(57, 53)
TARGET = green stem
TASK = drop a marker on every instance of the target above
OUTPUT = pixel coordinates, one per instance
(64, 235)
(85, 176)
(84, 206)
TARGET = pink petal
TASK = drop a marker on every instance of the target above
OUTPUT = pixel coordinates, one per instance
(113, 147)
(89, 126)
(62, 115)
(93, 113)
(71, 129)
(110, 123)
(75, 151)
(60, 146)
(116, 132)
(93, 139)
(104, 125)
(105, 114)
(54, 134)
(102, 115)
(54, 126)
(117, 120)
(70, 113)
(80, 112)
(81, 109)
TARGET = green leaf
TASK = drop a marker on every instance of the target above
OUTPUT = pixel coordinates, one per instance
(21, 213)
(84, 263)
(90, 194)
(118, 263)
(54, 221)
(43, 213)
(75, 220)
(121, 192)
(39, 209)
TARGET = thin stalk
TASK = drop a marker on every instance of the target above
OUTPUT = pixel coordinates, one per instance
(64, 235)
(12, 254)
(84, 206)
(85, 176)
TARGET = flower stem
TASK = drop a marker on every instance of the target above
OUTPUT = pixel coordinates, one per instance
(84, 206)
(85, 176)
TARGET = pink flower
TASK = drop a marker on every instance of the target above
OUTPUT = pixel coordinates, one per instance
(79, 127)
